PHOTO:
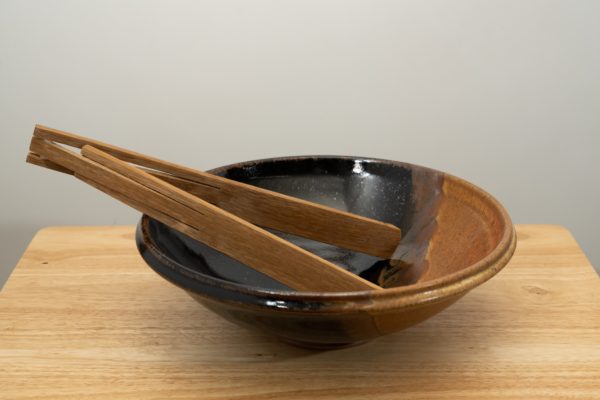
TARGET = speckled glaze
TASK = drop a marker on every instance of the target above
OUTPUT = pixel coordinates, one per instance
(455, 237)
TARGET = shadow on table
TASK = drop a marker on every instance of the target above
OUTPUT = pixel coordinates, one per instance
(453, 334)
(413, 359)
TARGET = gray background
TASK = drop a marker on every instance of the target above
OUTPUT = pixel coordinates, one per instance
(503, 93)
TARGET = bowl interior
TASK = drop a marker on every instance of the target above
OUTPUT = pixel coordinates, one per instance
(447, 224)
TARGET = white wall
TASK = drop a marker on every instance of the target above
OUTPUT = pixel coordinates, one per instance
(503, 93)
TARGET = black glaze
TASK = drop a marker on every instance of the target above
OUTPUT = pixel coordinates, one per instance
(363, 186)
(373, 188)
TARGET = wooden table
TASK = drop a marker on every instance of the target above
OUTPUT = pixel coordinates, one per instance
(83, 317)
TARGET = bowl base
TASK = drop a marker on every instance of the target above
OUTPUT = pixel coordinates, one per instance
(320, 346)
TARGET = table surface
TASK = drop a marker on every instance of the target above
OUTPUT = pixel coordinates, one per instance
(82, 316)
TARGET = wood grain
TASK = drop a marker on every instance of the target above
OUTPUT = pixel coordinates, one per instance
(260, 206)
(36, 159)
(82, 317)
(181, 183)
(205, 222)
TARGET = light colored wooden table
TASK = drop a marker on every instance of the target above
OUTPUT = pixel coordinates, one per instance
(82, 316)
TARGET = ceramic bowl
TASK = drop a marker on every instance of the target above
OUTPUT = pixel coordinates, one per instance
(455, 237)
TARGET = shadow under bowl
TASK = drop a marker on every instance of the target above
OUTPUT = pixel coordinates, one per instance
(455, 237)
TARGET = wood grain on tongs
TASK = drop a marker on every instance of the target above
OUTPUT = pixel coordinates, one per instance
(256, 205)
(197, 218)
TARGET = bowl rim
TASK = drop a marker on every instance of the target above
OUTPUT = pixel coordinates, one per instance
(454, 284)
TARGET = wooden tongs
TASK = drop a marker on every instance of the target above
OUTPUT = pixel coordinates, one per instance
(221, 212)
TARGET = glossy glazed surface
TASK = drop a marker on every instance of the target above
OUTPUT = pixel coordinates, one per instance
(455, 236)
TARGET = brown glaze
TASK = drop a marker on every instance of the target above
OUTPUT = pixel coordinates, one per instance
(456, 237)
